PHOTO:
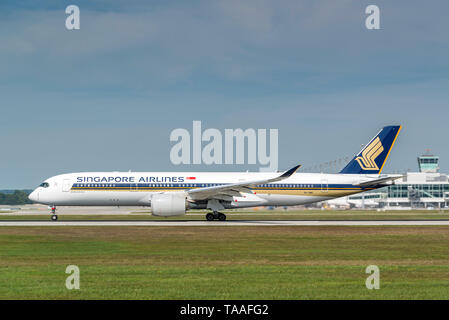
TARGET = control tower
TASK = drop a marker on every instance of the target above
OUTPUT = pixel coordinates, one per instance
(428, 163)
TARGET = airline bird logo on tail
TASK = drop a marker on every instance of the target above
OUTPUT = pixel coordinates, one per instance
(367, 160)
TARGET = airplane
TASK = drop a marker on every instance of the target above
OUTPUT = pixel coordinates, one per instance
(174, 193)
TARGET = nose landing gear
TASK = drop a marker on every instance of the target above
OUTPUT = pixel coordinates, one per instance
(215, 216)
(54, 217)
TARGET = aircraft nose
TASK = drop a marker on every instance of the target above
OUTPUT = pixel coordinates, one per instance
(34, 196)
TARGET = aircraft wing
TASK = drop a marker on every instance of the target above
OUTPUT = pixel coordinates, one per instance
(234, 189)
(379, 181)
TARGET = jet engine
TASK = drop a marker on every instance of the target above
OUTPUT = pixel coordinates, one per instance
(169, 204)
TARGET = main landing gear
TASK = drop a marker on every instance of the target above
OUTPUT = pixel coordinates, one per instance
(215, 216)
(54, 217)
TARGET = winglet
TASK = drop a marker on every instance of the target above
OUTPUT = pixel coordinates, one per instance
(288, 173)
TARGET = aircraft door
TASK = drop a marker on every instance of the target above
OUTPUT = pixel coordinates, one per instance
(66, 185)
(324, 185)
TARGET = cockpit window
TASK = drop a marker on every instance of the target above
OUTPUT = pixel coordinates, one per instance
(44, 185)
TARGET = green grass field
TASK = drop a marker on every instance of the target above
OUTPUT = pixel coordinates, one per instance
(224, 262)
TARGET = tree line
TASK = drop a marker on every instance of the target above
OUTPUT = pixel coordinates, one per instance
(15, 198)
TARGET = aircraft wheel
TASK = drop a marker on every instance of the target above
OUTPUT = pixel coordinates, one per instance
(54, 217)
(209, 217)
(221, 217)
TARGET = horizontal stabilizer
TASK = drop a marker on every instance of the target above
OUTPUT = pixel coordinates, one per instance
(376, 182)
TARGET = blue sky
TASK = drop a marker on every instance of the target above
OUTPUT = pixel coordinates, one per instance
(106, 97)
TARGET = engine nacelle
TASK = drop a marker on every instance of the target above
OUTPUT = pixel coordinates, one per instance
(169, 204)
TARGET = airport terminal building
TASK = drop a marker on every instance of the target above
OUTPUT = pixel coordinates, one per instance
(423, 189)
(427, 188)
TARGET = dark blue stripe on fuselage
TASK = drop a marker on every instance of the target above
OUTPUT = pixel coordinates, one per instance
(136, 186)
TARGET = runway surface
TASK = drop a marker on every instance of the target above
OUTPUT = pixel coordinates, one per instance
(220, 223)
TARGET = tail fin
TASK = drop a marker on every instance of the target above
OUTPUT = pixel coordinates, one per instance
(372, 158)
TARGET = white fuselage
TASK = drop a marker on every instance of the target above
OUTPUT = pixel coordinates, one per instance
(136, 189)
